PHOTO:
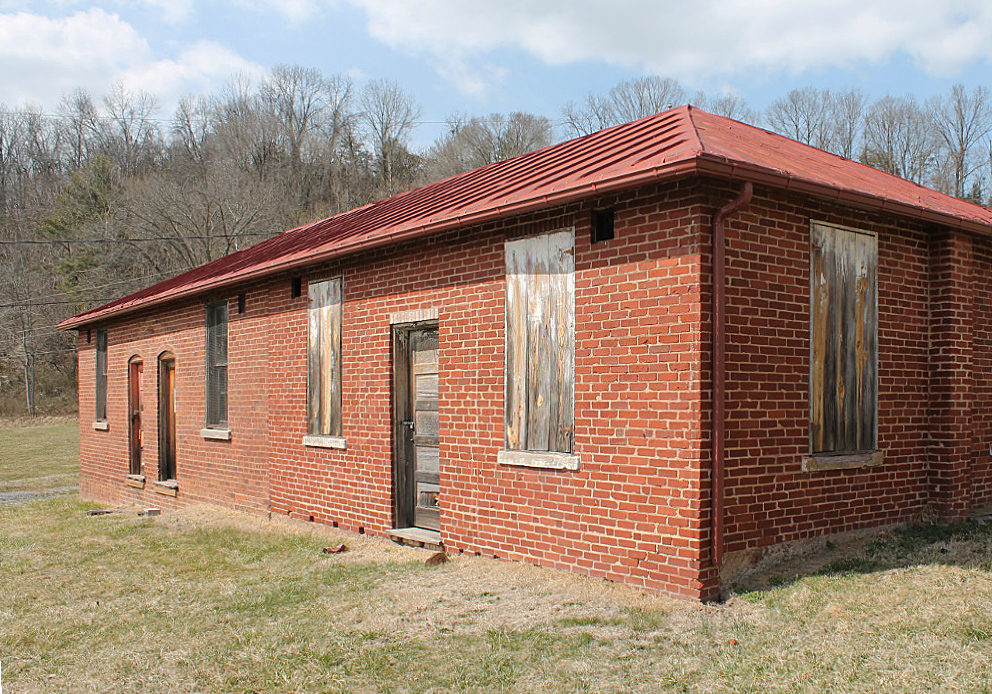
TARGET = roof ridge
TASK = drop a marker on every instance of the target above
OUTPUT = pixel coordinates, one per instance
(689, 113)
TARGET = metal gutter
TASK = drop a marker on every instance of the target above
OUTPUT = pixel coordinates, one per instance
(720, 364)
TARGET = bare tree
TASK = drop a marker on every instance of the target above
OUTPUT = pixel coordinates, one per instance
(728, 105)
(80, 122)
(962, 121)
(389, 115)
(847, 111)
(804, 115)
(899, 139)
(131, 137)
(474, 142)
(627, 101)
(633, 99)
(192, 124)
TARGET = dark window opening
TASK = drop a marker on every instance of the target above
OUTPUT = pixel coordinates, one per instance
(89, 335)
(101, 375)
(216, 349)
(602, 225)
(296, 287)
(242, 299)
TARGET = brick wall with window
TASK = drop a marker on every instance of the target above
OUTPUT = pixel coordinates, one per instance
(771, 497)
(231, 472)
(636, 510)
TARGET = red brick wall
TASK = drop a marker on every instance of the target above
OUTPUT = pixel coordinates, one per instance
(980, 473)
(633, 512)
(770, 499)
(637, 510)
(231, 473)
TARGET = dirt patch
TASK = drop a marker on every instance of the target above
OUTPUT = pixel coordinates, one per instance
(25, 496)
(466, 594)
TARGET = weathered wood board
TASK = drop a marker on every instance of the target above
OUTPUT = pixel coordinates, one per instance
(843, 340)
(540, 342)
(324, 301)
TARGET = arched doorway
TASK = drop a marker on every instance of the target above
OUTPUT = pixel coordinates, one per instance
(135, 407)
(166, 416)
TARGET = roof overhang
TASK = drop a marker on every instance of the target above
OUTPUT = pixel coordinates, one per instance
(702, 165)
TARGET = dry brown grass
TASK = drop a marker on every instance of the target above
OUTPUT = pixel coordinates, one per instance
(205, 600)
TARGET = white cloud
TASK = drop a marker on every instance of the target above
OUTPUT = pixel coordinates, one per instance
(691, 41)
(42, 58)
(173, 11)
(296, 11)
(200, 68)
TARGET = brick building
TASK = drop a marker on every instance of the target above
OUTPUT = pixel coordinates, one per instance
(654, 354)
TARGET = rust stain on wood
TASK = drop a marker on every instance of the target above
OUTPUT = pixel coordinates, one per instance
(324, 357)
(843, 340)
(540, 342)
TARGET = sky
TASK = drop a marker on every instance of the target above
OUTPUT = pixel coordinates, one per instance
(483, 56)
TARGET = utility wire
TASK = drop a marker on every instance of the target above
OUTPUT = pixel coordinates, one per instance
(39, 242)
(112, 119)
(13, 357)
(57, 303)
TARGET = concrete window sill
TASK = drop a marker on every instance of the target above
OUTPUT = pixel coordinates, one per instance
(847, 461)
(136, 481)
(101, 425)
(216, 434)
(545, 460)
(166, 487)
(336, 442)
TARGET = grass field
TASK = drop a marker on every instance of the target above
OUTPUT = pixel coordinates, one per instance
(35, 458)
(205, 600)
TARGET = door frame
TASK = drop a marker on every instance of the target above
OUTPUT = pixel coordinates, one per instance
(166, 416)
(404, 485)
(135, 407)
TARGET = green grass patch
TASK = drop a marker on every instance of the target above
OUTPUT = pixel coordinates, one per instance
(219, 603)
(39, 458)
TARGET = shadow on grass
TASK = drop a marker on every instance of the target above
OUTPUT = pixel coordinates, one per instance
(967, 545)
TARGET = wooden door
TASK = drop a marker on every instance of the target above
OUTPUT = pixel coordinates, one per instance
(135, 371)
(418, 468)
(167, 418)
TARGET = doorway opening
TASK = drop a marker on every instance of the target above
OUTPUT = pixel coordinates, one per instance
(416, 426)
(135, 407)
(166, 417)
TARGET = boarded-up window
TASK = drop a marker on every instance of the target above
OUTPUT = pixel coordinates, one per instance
(540, 342)
(216, 348)
(324, 358)
(101, 375)
(843, 340)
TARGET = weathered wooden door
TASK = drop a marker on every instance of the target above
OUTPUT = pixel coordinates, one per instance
(135, 372)
(418, 469)
(167, 418)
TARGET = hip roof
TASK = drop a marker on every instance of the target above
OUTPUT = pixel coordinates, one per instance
(680, 142)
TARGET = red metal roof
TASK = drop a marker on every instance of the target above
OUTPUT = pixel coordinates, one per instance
(679, 142)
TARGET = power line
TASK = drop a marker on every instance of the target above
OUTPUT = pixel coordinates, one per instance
(164, 121)
(11, 357)
(39, 242)
(56, 303)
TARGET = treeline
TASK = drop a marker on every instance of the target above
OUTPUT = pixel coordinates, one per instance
(103, 196)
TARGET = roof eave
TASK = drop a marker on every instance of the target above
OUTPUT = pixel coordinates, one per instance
(702, 164)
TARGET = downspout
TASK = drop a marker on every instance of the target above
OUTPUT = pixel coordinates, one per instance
(720, 360)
